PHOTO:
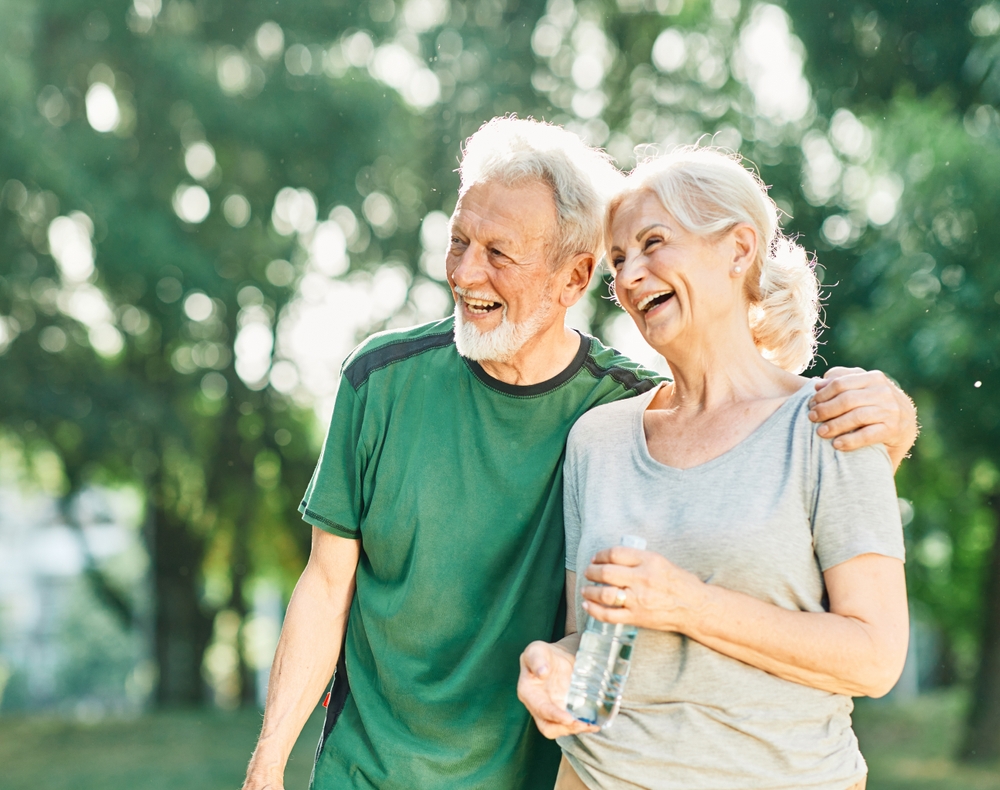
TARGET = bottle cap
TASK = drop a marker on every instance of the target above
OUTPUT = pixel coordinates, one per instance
(634, 542)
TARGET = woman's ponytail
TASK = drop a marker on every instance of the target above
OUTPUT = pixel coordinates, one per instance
(784, 306)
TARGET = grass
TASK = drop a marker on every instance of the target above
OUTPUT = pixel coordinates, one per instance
(171, 750)
(907, 746)
(912, 745)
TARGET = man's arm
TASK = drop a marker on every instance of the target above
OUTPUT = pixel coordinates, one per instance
(861, 407)
(307, 654)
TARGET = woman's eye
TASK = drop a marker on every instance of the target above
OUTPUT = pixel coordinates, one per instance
(651, 241)
(617, 261)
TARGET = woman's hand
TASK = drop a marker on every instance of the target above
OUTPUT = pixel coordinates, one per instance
(546, 671)
(657, 594)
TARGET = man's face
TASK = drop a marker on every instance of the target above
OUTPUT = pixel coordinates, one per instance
(499, 268)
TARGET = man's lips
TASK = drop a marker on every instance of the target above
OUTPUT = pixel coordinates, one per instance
(476, 306)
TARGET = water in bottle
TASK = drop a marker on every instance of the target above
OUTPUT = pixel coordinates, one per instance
(602, 664)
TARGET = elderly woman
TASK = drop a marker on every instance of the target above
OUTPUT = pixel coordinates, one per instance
(772, 590)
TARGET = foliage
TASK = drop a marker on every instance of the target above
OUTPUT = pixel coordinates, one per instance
(322, 138)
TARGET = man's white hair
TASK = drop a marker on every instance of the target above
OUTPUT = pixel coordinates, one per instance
(512, 150)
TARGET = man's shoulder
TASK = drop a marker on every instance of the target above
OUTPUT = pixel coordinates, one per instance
(628, 376)
(396, 345)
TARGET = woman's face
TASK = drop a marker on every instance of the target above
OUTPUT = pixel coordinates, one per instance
(676, 285)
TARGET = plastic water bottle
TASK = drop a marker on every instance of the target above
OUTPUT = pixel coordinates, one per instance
(602, 665)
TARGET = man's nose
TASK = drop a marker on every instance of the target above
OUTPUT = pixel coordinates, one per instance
(470, 267)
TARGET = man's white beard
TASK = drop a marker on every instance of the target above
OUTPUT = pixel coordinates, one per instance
(502, 342)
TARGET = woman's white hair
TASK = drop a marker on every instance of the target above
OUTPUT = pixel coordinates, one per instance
(710, 192)
(512, 150)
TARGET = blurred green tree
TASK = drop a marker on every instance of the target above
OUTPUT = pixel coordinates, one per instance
(199, 198)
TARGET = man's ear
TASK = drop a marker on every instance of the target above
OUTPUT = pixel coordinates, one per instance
(578, 272)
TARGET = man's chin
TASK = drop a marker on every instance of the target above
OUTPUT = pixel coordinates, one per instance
(498, 344)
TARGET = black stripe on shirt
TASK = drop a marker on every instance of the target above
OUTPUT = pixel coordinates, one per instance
(627, 378)
(367, 363)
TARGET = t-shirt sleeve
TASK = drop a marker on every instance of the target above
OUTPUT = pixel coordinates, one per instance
(855, 506)
(333, 500)
(572, 522)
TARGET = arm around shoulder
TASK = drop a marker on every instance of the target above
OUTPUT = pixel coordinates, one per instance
(857, 408)
(307, 653)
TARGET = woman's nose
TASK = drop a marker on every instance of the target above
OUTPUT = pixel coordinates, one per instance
(631, 272)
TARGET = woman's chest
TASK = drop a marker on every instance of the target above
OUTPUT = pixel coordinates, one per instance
(749, 532)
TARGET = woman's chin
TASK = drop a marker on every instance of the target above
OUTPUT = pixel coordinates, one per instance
(659, 325)
(660, 338)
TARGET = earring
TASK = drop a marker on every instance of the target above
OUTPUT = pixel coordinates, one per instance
(737, 269)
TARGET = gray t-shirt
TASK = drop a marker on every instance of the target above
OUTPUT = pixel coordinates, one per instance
(765, 518)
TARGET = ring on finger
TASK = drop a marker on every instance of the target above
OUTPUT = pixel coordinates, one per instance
(620, 598)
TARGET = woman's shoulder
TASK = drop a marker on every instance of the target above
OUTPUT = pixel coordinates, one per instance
(822, 459)
(613, 417)
(605, 432)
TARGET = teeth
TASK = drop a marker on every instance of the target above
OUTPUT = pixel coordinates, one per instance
(646, 301)
(478, 302)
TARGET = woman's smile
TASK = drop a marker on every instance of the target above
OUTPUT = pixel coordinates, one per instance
(648, 304)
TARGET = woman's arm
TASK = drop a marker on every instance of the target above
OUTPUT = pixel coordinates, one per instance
(857, 648)
(546, 670)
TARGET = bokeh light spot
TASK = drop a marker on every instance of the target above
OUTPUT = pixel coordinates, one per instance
(199, 159)
(103, 113)
(669, 51)
(328, 249)
(198, 306)
(236, 210)
(280, 273)
(294, 210)
(191, 203)
(270, 40)
(214, 385)
(233, 71)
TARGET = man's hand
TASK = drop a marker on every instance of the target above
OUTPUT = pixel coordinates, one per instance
(546, 671)
(861, 407)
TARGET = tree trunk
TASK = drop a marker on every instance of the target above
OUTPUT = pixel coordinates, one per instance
(982, 735)
(183, 630)
(240, 566)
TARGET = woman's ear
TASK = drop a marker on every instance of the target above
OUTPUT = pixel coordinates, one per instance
(744, 249)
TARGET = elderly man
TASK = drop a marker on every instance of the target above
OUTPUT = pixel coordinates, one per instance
(437, 550)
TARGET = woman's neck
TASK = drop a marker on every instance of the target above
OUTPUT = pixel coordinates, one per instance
(714, 372)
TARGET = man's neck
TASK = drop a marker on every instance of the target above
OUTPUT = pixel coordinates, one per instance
(543, 357)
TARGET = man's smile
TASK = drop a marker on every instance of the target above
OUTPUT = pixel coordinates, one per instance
(480, 306)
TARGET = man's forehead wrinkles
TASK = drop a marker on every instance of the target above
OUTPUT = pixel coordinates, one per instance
(486, 226)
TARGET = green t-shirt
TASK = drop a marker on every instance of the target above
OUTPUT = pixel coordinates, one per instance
(452, 480)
